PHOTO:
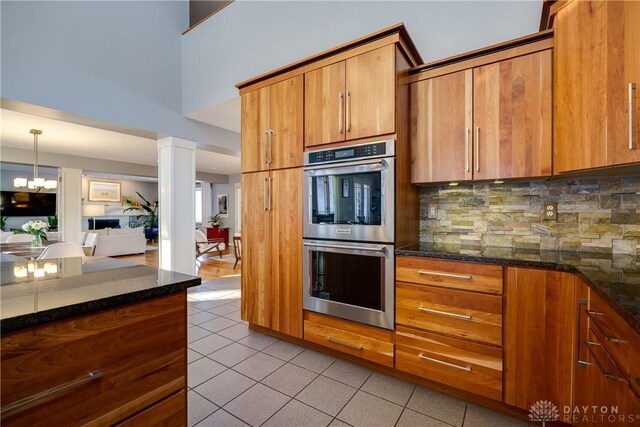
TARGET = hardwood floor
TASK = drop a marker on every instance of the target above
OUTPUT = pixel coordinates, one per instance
(208, 267)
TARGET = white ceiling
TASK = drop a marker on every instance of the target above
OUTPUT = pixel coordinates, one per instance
(225, 115)
(77, 140)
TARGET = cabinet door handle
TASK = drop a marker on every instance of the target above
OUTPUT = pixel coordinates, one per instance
(348, 111)
(270, 150)
(344, 343)
(445, 313)
(632, 117)
(467, 148)
(477, 153)
(265, 187)
(607, 375)
(442, 362)
(340, 113)
(49, 394)
(451, 275)
(266, 147)
(270, 188)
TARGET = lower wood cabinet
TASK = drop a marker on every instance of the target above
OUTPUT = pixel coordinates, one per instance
(100, 368)
(540, 319)
(168, 412)
(354, 338)
(462, 364)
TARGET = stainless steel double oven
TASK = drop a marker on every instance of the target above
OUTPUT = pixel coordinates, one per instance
(349, 232)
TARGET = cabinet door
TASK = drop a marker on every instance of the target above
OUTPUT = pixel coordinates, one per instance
(286, 105)
(286, 249)
(255, 124)
(324, 105)
(512, 118)
(371, 93)
(539, 337)
(256, 249)
(441, 110)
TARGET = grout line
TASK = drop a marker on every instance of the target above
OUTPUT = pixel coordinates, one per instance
(464, 417)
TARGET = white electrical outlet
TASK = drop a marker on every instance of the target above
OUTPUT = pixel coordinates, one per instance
(432, 211)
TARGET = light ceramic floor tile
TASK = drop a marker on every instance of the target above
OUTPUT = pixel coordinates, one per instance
(283, 350)
(234, 315)
(327, 395)
(389, 388)
(289, 379)
(478, 416)
(337, 423)
(348, 373)
(192, 356)
(236, 332)
(257, 404)
(313, 361)
(258, 366)
(198, 408)
(209, 344)
(192, 310)
(411, 418)
(366, 410)
(217, 324)
(200, 317)
(296, 414)
(195, 333)
(258, 341)
(437, 405)
(232, 354)
(201, 370)
(225, 387)
(221, 418)
(222, 310)
(208, 305)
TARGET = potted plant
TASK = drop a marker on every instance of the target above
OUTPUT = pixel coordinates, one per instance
(53, 222)
(3, 222)
(148, 210)
(215, 221)
(37, 229)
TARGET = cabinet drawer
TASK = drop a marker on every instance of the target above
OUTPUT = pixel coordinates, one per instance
(360, 340)
(450, 274)
(170, 412)
(139, 350)
(462, 314)
(472, 367)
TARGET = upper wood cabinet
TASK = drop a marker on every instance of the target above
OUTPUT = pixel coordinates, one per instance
(272, 250)
(485, 122)
(597, 73)
(272, 122)
(351, 99)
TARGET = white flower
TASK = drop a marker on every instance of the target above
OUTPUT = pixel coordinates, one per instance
(32, 226)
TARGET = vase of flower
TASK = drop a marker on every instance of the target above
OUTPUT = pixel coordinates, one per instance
(38, 230)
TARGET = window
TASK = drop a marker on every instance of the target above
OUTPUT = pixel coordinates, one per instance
(198, 205)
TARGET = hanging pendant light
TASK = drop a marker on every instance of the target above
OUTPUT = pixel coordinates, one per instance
(36, 183)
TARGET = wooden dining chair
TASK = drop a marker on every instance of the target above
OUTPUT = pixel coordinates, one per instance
(237, 249)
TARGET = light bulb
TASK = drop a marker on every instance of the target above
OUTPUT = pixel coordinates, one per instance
(20, 182)
(20, 272)
(50, 184)
(31, 185)
(38, 182)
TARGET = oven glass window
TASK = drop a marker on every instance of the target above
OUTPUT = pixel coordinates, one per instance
(349, 279)
(347, 199)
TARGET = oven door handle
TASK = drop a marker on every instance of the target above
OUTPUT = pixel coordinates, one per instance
(328, 168)
(355, 248)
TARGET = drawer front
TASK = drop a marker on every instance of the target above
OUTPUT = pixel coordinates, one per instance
(360, 340)
(461, 314)
(139, 350)
(472, 367)
(615, 333)
(170, 412)
(450, 274)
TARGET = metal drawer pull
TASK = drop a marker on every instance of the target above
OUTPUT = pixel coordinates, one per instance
(445, 313)
(589, 345)
(592, 315)
(46, 395)
(451, 275)
(442, 362)
(346, 344)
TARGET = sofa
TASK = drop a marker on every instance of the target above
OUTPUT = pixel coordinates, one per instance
(120, 241)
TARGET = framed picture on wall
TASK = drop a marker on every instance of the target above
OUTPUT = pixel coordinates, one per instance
(223, 205)
(104, 191)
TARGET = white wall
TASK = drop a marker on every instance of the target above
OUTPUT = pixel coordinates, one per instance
(229, 189)
(248, 38)
(115, 61)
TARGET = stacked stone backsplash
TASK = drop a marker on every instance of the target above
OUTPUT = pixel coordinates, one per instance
(594, 215)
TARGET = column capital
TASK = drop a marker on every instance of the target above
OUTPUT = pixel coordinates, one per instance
(172, 141)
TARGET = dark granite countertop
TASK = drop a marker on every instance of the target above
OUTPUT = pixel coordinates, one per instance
(36, 292)
(616, 278)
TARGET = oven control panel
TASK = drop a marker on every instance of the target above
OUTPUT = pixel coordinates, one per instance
(348, 153)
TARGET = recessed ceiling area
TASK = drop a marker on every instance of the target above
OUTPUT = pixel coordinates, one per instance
(72, 139)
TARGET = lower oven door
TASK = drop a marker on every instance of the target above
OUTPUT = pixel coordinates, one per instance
(353, 281)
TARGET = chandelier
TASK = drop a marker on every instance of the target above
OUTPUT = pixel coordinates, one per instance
(37, 183)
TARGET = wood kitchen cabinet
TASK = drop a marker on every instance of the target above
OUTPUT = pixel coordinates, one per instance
(272, 122)
(539, 329)
(486, 117)
(351, 99)
(597, 73)
(272, 250)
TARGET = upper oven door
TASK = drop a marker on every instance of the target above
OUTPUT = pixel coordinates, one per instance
(350, 201)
